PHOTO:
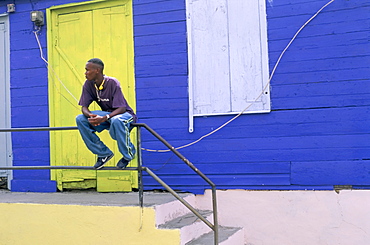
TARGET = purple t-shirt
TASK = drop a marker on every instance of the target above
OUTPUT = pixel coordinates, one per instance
(109, 98)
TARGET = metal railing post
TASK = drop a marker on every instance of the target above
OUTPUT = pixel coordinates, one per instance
(215, 215)
(140, 170)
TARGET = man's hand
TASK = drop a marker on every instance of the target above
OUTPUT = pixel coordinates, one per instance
(96, 120)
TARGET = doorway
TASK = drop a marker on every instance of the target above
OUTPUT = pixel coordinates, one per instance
(76, 33)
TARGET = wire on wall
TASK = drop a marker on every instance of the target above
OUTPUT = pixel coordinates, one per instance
(263, 90)
(49, 67)
(223, 125)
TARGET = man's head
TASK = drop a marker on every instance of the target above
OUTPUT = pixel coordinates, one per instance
(94, 69)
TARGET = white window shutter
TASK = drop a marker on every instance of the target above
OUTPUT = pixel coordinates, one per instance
(228, 63)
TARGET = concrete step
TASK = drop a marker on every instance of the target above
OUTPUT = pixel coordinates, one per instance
(193, 231)
(227, 236)
(190, 226)
(171, 210)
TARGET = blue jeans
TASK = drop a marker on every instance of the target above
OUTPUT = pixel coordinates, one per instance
(119, 128)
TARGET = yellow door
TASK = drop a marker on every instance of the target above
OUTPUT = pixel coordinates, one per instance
(76, 33)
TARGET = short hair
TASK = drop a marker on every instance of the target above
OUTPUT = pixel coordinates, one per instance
(98, 62)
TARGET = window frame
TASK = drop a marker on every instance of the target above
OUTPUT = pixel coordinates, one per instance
(262, 97)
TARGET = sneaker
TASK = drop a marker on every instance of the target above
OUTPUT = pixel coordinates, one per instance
(122, 164)
(102, 160)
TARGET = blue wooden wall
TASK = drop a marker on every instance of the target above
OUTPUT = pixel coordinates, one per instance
(29, 97)
(316, 136)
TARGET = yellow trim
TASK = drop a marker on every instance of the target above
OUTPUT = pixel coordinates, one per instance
(24, 223)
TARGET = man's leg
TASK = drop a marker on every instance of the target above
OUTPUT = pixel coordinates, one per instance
(120, 130)
(92, 141)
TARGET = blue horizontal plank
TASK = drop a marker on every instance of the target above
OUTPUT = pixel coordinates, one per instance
(148, 70)
(31, 174)
(314, 43)
(30, 139)
(40, 185)
(26, 156)
(316, 3)
(293, 125)
(162, 93)
(162, 39)
(26, 59)
(323, 65)
(34, 162)
(210, 167)
(163, 59)
(30, 116)
(286, 143)
(157, 123)
(319, 115)
(279, 130)
(161, 113)
(331, 173)
(31, 100)
(21, 21)
(273, 155)
(326, 17)
(322, 101)
(322, 89)
(24, 39)
(351, 74)
(29, 78)
(160, 82)
(29, 90)
(148, 7)
(290, 7)
(160, 49)
(161, 28)
(298, 54)
(191, 180)
(159, 17)
(166, 105)
(317, 30)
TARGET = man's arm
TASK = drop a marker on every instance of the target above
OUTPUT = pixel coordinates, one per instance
(96, 120)
(85, 110)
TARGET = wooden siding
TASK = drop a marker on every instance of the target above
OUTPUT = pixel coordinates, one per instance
(316, 133)
(29, 98)
(318, 128)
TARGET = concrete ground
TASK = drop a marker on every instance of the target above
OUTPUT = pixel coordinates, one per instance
(87, 197)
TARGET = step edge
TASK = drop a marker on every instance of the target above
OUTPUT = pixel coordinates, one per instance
(209, 236)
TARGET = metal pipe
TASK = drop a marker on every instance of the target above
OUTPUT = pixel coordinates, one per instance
(36, 129)
(215, 215)
(176, 152)
(140, 165)
(169, 189)
(62, 167)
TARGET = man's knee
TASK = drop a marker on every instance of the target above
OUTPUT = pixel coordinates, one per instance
(80, 118)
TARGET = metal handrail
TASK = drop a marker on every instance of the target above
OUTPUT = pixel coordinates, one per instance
(140, 168)
(213, 226)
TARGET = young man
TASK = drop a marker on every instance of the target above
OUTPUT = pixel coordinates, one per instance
(115, 115)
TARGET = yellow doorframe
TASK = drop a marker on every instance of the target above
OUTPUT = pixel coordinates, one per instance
(129, 78)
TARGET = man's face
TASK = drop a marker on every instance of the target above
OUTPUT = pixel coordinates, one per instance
(91, 71)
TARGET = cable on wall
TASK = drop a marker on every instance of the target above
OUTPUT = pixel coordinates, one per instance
(220, 127)
(49, 67)
(263, 90)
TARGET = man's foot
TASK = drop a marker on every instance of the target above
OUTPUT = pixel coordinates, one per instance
(102, 160)
(122, 164)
